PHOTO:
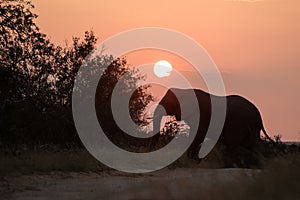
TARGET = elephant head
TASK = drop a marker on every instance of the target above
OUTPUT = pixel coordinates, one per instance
(181, 104)
(168, 105)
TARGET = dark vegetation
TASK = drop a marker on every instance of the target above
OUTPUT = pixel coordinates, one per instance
(37, 78)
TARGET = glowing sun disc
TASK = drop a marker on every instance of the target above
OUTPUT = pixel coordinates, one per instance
(162, 68)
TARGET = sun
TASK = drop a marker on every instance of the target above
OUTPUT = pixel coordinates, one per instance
(162, 68)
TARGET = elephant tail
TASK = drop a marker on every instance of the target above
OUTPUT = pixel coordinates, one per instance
(267, 136)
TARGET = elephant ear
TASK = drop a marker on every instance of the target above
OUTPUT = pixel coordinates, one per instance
(171, 104)
(188, 104)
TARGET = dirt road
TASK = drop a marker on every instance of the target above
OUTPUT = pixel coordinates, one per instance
(164, 184)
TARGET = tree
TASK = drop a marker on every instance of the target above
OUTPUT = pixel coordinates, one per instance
(41, 70)
(42, 74)
(26, 54)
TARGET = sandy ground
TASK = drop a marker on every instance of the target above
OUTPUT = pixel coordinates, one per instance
(164, 184)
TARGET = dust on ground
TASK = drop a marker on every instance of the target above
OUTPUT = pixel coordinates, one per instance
(180, 183)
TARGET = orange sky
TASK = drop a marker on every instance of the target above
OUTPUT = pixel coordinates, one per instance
(256, 45)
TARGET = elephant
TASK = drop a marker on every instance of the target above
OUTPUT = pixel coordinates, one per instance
(242, 124)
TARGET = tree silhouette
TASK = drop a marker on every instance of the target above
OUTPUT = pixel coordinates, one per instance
(37, 78)
(26, 54)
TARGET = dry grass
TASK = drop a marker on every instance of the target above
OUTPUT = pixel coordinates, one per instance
(31, 161)
(278, 179)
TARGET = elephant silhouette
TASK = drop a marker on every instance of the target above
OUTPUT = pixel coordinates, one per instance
(242, 124)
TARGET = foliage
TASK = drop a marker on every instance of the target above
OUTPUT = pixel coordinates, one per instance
(26, 54)
(37, 78)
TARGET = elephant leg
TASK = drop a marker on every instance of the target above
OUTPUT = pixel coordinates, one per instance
(193, 150)
(252, 139)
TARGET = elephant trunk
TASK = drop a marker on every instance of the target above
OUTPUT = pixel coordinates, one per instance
(157, 117)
